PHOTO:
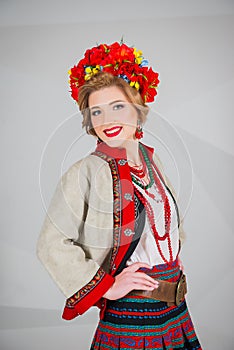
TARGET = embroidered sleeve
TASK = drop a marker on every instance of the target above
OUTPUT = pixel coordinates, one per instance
(89, 295)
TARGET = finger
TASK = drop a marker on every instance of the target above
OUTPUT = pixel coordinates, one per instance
(141, 286)
(143, 283)
(144, 277)
(137, 279)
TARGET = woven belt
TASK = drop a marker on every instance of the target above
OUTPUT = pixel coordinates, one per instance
(171, 292)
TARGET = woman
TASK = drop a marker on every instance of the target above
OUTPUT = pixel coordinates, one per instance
(113, 231)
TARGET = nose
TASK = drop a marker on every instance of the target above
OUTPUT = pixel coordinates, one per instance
(108, 117)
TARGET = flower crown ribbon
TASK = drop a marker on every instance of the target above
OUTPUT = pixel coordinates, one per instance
(120, 60)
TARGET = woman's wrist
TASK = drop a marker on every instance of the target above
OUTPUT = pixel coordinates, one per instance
(107, 294)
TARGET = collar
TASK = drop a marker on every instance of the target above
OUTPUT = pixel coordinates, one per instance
(120, 152)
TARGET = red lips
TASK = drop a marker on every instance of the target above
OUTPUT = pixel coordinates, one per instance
(113, 131)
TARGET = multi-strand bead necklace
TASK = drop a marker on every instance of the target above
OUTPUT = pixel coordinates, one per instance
(137, 177)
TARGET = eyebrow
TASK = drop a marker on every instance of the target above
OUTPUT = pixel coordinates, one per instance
(109, 104)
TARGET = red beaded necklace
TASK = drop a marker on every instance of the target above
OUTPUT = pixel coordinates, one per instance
(150, 215)
(139, 171)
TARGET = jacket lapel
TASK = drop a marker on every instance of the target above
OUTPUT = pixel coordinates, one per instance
(125, 234)
(123, 206)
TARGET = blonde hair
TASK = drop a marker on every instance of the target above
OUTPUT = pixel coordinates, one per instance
(100, 81)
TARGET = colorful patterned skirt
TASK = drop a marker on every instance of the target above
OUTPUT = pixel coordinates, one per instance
(137, 322)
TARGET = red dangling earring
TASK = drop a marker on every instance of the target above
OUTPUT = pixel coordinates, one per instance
(139, 132)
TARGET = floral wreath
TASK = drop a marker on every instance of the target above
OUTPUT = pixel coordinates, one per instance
(120, 60)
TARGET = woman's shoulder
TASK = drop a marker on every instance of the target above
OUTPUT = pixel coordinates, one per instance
(88, 179)
(89, 161)
(89, 166)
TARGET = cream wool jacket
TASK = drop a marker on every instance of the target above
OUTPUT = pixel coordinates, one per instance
(76, 244)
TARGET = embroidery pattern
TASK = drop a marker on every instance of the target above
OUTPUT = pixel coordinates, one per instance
(142, 323)
(116, 209)
(117, 202)
(75, 298)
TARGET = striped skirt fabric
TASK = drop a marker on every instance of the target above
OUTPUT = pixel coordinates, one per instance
(137, 322)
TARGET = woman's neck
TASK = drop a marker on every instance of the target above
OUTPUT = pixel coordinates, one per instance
(132, 150)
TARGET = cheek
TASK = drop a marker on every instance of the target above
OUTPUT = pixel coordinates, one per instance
(130, 121)
(96, 122)
(97, 130)
(129, 130)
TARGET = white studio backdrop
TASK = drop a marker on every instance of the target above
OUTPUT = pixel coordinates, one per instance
(194, 56)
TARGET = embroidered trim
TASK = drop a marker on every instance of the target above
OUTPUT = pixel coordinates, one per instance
(117, 203)
(81, 293)
(116, 209)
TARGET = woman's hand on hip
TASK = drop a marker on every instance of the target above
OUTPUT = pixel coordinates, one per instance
(130, 279)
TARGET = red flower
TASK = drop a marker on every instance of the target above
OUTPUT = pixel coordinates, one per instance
(153, 78)
(122, 53)
(95, 56)
(127, 69)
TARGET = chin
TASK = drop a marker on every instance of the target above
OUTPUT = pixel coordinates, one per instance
(115, 143)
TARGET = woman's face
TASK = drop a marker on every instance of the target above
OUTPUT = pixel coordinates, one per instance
(114, 119)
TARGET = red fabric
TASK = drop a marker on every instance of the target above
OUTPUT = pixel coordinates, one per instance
(89, 300)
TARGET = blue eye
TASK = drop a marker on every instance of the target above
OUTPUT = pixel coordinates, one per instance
(118, 106)
(96, 112)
